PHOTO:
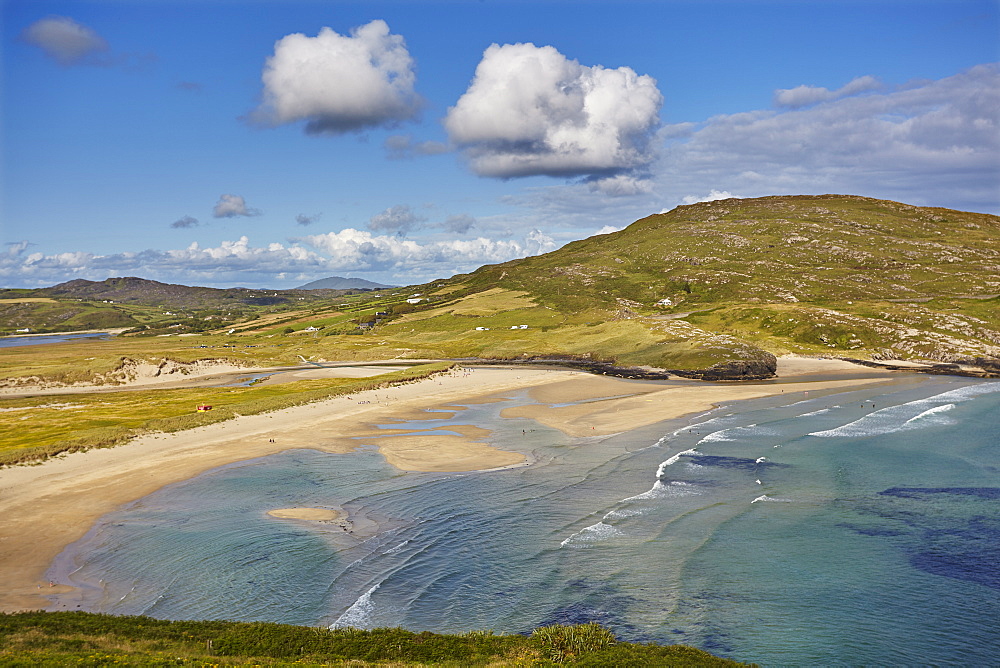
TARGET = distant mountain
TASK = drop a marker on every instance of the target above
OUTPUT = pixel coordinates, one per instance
(341, 283)
(133, 290)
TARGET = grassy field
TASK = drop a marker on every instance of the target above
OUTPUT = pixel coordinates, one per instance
(84, 639)
(38, 427)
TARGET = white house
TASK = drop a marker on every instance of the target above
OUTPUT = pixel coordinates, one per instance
(415, 300)
(482, 329)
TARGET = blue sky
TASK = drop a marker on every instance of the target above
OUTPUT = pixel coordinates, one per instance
(268, 144)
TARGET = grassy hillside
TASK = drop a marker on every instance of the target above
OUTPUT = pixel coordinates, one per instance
(731, 280)
(77, 638)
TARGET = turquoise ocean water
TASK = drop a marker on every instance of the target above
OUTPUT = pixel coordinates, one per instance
(851, 528)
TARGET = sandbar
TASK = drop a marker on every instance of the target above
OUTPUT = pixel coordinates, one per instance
(311, 514)
(48, 506)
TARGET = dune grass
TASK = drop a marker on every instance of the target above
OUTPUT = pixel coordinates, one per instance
(35, 428)
(79, 638)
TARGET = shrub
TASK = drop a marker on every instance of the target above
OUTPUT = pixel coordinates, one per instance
(560, 643)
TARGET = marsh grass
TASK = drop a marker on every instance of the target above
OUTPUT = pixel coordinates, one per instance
(32, 429)
(78, 638)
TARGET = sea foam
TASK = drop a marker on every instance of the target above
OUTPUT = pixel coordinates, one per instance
(661, 490)
(673, 460)
(910, 415)
(586, 536)
(359, 614)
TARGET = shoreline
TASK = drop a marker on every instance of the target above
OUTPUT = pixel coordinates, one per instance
(51, 505)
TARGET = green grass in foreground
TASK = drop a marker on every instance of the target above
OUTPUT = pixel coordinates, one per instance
(85, 639)
(39, 427)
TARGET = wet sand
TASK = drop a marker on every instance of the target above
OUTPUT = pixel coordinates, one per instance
(309, 514)
(48, 506)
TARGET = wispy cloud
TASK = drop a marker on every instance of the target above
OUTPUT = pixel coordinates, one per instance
(67, 41)
(401, 147)
(399, 220)
(185, 222)
(460, 224)
(927, 142)
(802, 96)
(303, 219)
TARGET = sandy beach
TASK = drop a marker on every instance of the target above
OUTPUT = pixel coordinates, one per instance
(48, 506)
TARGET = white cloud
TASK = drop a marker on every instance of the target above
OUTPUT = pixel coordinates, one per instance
(713, 196)
(239, 263)
(608, 229)
(358, 249)
(802, 96)
(399, 219)
(230, 206)
(338, 83)
(930, 142)
(530, 111)
(65, 40)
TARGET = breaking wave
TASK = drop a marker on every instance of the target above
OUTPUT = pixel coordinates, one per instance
(587, 536)
(911, 415)
(358, 616)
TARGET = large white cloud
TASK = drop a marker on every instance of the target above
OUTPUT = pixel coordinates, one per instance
(339, 83)
(240, 263)
(65, 40)
(928, 142)
(362, 250)
(530, 111)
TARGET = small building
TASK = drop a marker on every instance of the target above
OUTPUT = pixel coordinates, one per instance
(204, 408)
(482, 329)
(310, 328)
(522, 327)
(414, 300)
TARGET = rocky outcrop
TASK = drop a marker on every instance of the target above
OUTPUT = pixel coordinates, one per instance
(760, 368)
(979, 367)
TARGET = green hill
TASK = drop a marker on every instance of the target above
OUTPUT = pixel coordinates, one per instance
(728, 283)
